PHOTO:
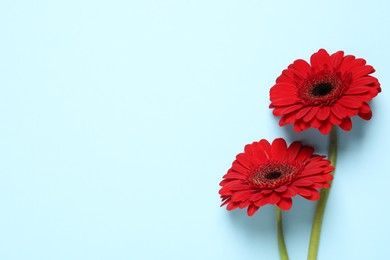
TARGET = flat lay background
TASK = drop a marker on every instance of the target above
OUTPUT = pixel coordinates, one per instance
(118, 120)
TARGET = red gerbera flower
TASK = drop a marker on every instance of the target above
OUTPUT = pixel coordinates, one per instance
(329, 91)
(272, 174)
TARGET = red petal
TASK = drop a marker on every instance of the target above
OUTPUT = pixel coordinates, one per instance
(313, 171)
(266, 146)
(323, 113)
(284, 79)
(301, 113)
(287, 119)
(244, 204)
(297, 127)
(362, 71)
(329, 176)
(281, 189)
(232, 205)
(261, 202)
(260, 154)
(303, 182)
(316, 178)
(350, 63)
(315, 195)
(364, 97)
(290, 192)
(365, 108)
(237, 184)
(257, 196)
(336, 59)
(314, 164)
(325, 127)
(285, 110)
(225, 202)
(227, 184)
(303, 125)
(346, 63)
(351, 111)
(280, 89)
(285, 203)
(309, 116)
(233, 175)
(225, 192)
(346, 124)
(245, 160)
(305, 153)
(301, 68)
(252, 209)
(238, 187)
(364, 81)
(334, 120)
(278, 148)
(338, 111)
(241, 195)
(274, 198)
(237, 167)
(365, 112)
(293, 151)
(289, 73)
(357, 90)
(315, 123)
(320, 60)
(351, 102)
(248, 149)
(305, 192)
(283, 101)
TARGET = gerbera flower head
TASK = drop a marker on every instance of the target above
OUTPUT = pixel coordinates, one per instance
(272, 174)
(326, 92)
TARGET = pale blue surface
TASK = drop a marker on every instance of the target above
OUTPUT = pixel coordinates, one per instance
(119, 118)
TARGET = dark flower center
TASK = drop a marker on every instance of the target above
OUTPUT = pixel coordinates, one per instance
(322, 89)
(272, 175)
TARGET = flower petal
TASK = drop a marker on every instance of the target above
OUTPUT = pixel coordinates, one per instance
(346, 124)
(320, 60)
(362, 71)
(274, 198)
(301, 67)
(323, 113)
(336, 59)
(305, 153)
(338, 111)
(365, 112)
(290, 192)
(278, 148)
(351, 102)
(302, 112)
(309, 116)
(285, 203)
(292, 151)
(241, 195)
(252, 209)
(314, 194)
(325, 127)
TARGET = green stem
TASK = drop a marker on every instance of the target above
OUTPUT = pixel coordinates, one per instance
(279, 228)
(320, 209)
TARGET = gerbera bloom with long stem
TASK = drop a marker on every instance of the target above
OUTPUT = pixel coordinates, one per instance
(272, 174)
(326, 92)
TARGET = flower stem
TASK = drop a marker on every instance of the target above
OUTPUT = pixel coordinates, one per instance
(320, 209)
(279, 229)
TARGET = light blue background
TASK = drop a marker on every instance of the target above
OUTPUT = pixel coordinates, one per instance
(119, 118)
